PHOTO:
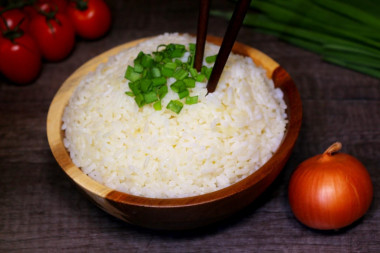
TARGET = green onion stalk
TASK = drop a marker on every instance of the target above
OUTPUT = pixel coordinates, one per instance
(343, 32)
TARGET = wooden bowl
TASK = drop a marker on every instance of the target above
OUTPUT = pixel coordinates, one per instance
(177, 213)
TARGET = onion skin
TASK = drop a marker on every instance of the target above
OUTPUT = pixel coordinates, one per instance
(330, 191)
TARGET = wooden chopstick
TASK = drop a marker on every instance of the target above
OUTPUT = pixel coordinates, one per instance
(204, 9)
(228, 42)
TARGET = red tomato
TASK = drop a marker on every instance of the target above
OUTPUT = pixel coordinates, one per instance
(20, 60)
(55, 36)
(13, 18)
(46, 6)
(91, 22)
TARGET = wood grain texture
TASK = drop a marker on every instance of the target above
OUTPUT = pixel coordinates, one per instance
(42, 211)
(179, 213)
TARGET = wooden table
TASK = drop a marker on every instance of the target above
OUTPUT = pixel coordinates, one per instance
(41, 211)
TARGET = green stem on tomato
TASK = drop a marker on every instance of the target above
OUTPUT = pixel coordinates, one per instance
(81, 4)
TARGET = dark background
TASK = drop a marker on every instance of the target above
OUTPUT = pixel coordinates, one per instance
(41, 211)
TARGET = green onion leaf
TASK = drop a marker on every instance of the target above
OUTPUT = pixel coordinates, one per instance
(155, 72)
(183, 93)
(147, 61)
(191, 100)
(167, 72)
(211, 58)
(130, 93)
(135, 87)
(175, 106)
(206, 71)
(139, 100)
(193, 72)
(180, 74)
(177, 53)
(157, 105)
(162, 91)
(138, 68)
(146, 85)
(189, 82)
(148, 76)
(200, 78)
(131, 75)
(192, 47)
(150, 97)
(178, 86)
(170, 65)
(159, 81)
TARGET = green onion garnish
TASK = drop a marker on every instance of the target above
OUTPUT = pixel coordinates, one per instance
(183, 94)
(162, 91)
(180, 74)
(150, 97)
(148, 76)
(158, 81)
(139, 100)
(167, 72)
(131, 74)
(211, 58)
(175, 106)
(189, 82)
(157, 106)
(130, 93)
(191, 100)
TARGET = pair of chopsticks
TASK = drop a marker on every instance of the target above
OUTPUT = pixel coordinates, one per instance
(229, 38)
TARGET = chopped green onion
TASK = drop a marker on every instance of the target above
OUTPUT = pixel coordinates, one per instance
(147, 61)
(162, 91)
(166, 60)
(189, 82)
(131, 74)
(158, 57)
(200, 78)
(156, 72)
(138, 58)
(192, 47)
(139, 100)
(149, 75)
(193, 72)
(138, 68)
(180, 74)
(157, 105)
(183, 94)
(191, 100)
(167, 72)
(150, 97)
(161, 45)
(178, 86)
(175, 106)
(211, 58)
(177, 53)
(206, 71)
(159, 81)
(178, 62)
(130, 93)
(146, 85)
(170, 65)
(135, 87)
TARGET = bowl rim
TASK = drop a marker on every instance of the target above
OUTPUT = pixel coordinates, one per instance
(60, 100)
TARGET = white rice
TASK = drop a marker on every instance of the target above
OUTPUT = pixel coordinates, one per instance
(224, 138)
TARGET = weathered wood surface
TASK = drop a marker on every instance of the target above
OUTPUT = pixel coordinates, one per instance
(41, 211)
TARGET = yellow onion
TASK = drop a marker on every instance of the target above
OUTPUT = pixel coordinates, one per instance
(330, 190)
